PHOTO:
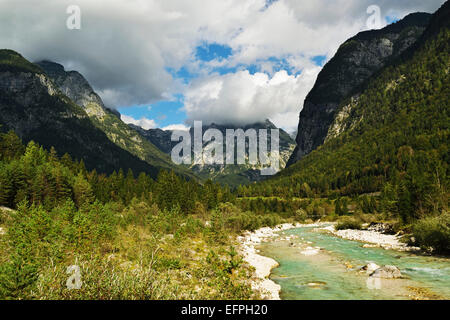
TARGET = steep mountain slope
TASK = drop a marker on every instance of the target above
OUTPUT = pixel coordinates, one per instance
(158, 137)
(32, 106)
(345, 74)
(393, 137)
(77, 88)
(232, 175)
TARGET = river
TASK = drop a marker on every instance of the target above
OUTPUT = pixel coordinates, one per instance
(334, 272)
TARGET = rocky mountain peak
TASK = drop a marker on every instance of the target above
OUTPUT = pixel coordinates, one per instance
(345, 74)
(72, 84)
(232, 175)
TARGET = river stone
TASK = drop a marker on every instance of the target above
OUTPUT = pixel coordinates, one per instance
(387, 272)
(370, 267)
(309, 251)
(316, 284)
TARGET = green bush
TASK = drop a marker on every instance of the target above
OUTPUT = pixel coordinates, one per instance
(241, 221)
(433, 232)
(348, 223)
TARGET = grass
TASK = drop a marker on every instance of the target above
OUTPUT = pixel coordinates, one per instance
(141, 252)
(135, 252)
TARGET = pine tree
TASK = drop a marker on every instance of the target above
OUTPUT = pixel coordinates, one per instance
(6, 188)
(53, 156)
(82, 190)
(337, 207)
(11, 146)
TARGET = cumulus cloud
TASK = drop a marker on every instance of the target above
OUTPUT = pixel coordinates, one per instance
(242, 98)
(125, 48)
(177, 127)
(142, 122)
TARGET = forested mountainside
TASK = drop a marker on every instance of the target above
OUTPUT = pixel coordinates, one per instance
(33, 106)
(77, 88)
(392, 138)
(32, 174)
(232, 175)
(354, 63)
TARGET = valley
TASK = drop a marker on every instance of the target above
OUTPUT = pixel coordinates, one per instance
(358, 209)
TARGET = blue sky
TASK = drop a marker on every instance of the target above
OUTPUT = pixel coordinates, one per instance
(391, 19)
(210, 51)
(164, 113)
(170, 112)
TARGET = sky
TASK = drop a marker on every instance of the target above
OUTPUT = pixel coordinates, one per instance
(167, 63)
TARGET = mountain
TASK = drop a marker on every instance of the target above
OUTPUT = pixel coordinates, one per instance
(77, 88)
(34, 107)
(391, 138)
(345, 74)
(232, 175)
(158, 137)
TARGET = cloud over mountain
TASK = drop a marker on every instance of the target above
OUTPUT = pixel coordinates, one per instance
(142, 122)
(241, 97)
(132, 51)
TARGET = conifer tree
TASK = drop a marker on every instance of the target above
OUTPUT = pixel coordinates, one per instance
(82, 190)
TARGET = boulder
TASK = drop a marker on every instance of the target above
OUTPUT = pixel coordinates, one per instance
(387, 272)
(370, 267)
(384, 228)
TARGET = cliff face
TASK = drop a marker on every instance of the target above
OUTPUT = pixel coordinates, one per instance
(77, 88)
(34, 107)
(158, 137)
(391, 137)
(232, 175)
(71, 83)
(346, 73)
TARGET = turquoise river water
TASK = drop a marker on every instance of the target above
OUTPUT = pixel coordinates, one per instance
(334, 273)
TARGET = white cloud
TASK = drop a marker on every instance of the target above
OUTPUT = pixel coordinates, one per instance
(241, 97)
(288, 120)
(143, 122)
(126, 47)
(178, 127)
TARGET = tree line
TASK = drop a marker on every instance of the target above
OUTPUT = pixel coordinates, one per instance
(32, 174)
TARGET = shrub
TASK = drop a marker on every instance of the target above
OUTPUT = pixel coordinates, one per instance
(104, 280)
(348, 223)
(433, 232)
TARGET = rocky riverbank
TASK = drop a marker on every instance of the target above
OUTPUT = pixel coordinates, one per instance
(383, 279)
(372, 238)
(263, 265)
